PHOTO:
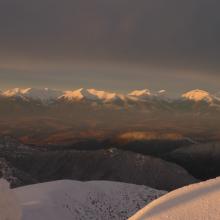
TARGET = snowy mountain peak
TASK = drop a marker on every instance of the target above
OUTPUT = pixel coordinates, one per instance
(198, 95)
(103, 95)
(89, 94)
(161, 92)
(78, 95)
(140, 93)
(145, 94)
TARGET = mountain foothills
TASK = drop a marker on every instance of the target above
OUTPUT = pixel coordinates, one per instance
(163, 164)
(23, 164)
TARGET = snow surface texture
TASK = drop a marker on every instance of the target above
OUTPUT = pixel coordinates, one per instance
(76, 200)
(199, 201)
(9, 205)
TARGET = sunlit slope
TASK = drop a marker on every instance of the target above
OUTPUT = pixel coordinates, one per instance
(194, 202)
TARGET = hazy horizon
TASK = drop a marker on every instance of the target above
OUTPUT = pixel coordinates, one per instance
(122, 83)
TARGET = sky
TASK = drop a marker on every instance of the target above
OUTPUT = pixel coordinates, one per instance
(117, 45)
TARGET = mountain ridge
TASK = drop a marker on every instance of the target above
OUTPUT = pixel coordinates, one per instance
(195, 95)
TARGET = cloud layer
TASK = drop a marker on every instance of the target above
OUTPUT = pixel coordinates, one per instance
(161, 34)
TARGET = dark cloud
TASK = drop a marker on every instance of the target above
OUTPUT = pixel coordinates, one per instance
(160, 33)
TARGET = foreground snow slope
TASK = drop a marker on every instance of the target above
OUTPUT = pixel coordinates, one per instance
(9, 205)
(195, 202)
(70, 200)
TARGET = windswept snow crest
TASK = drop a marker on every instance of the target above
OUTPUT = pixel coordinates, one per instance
(195, 202)
(68, 200)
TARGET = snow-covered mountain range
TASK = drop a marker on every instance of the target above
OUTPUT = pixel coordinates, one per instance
(143, 101)
(105, 96)
(93, 94)
(78, 94)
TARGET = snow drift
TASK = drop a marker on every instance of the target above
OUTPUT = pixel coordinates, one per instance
(195, 202)
(69, 200)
